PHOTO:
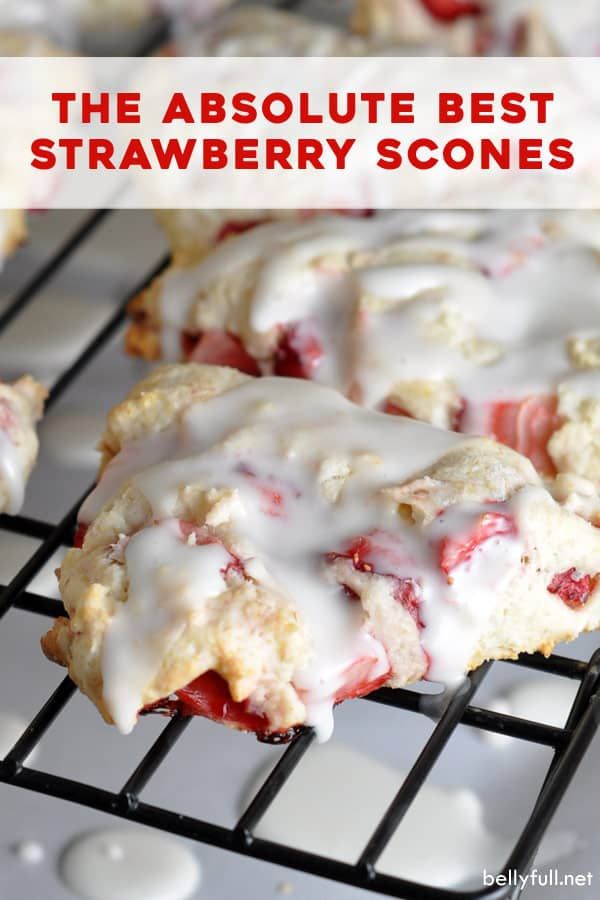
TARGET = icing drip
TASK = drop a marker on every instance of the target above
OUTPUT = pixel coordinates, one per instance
(166, 576)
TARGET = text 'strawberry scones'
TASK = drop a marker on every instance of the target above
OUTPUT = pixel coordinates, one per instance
(21, 406)
(486, 323)
(498, 27)
(258, 550)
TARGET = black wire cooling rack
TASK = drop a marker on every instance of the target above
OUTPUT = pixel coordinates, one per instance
(569, 743)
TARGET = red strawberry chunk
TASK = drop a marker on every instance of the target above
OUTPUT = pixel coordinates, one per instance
(202, 536)
(527, 426)
(449, 10)
(299, 352)
(573, 587)
(219, 348)
(381, 554)
(393, 409)
(208, 695)
(236, 226)
(80, 533)
(358, 680)
(453, 552)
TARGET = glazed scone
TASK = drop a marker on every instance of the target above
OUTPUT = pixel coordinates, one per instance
(493, 27)
(246, 31)
(455, 318)
(258, 550)
(21, 407)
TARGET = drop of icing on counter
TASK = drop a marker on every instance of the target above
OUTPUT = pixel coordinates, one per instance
(128, 864)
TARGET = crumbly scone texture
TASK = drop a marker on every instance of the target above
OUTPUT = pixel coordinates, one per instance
(252, 636)
(21, 407)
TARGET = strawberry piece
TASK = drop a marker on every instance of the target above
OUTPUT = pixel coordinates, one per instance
(450, 10)
(381, 554)
(452, 552)
(208, 695)
(299, 352)
(573, 587)
(202, 537)
(236, 226)
(392, 409)
(219, 348)
(358, 681)
(527, 426)
(80, 533)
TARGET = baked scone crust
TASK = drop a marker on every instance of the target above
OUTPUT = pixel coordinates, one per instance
(252, 635)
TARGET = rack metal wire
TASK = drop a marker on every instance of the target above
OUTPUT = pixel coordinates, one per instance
(569, 743)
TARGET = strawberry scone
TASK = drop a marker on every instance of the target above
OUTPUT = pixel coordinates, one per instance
(258, 550)
(246, 31)
(485, 323)
(493, 27)
(21, 407)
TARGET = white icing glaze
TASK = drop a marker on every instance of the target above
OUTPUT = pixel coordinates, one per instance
(11, 474)
(166, 576)
(127, 864)
(245, 441)
(443, 840)
(484, 301)
(546, 700)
